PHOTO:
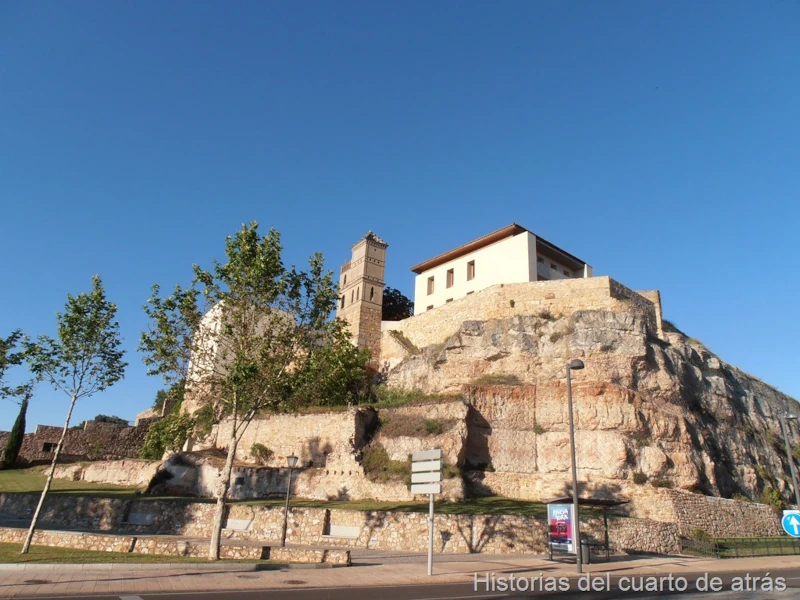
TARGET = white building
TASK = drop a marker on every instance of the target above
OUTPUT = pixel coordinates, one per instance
(509, 255)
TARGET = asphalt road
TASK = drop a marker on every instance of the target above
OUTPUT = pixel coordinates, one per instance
(462, 591)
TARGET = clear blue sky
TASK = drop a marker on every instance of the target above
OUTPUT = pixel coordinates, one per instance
(659, 141)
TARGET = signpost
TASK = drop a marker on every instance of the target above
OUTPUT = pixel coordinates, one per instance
(562, 534)
(426, 478)
(791, 522)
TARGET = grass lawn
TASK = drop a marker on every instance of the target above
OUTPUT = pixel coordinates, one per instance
(10, 553)
(31, 480)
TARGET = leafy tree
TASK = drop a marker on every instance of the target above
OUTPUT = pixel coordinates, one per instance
(10, 358)
(85, 359)
(113, 419)
(396, 306)
(251, 336)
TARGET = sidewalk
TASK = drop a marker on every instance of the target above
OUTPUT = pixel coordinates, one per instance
(52, 580)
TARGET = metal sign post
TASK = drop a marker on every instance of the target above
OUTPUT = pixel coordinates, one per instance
(426, 478)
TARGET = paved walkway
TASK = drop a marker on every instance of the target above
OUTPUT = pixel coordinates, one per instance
(44, 580)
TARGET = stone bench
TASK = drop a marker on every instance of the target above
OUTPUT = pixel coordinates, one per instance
(139, 519)
(343, 531)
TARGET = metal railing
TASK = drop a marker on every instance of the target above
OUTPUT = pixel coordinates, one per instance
(742, 547)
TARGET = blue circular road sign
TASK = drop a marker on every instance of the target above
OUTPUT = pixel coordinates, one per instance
(791, 524)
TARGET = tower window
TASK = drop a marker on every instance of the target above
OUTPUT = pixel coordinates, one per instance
(371, 294)
(342, 301)
(344, 283)
(471, 270)
(450, 277)
(430, 285)
(352, 296)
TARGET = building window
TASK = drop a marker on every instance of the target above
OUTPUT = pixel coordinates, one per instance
(49, 447)
(430, 285)
(430, 307)
(450, 278)
(539, 259)
(449, 300)
(358, 293)
(554, 266)
(471, 270)
(342, 301)
(472, 292)
(371, 294)
(566, 272)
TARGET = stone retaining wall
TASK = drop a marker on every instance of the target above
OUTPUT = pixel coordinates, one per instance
(171, 547)
(564, 296)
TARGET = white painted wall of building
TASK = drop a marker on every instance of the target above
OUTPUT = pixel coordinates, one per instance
(505, 261)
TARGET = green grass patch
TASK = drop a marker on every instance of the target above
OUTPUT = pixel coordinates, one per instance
(33, 480)
(400, 425)
(10, 553)
(497, 380)
(392, 398)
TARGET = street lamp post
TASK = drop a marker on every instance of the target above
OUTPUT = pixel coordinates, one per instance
(785, 428)
(292, 462)
(574, 365)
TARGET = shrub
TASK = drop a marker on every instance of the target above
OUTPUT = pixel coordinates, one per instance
(700, 535)
(379, 467)
(661, 483)
(497, 379)
(641, 438)
(433, 427)
(261, 453)
(545, 314)
(639, 478)
(170, 433)
(772, 497)
(404, 341)
(391, 397)
(450, 471)
(511, 303)
(557, 335)
(538, 429)
(741, 498)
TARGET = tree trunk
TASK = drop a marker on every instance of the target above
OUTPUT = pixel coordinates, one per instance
(26, 546)
(16, 437)
(222, 492)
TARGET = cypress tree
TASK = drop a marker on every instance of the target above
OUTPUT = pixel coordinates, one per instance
(14, 442)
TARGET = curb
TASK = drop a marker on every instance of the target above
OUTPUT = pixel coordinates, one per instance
(183, 567)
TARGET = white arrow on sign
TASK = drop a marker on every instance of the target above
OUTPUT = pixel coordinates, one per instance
(795, 522)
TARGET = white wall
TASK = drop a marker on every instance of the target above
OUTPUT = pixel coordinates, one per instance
(505, 261)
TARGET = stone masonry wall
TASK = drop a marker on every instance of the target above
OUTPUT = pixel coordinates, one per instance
(95, 441)
(396, 531)
(564, 296)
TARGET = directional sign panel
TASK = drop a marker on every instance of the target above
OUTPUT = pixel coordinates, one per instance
(426, 477)
(427, 455)
(426, 488)
(428, 465)
(791, 523)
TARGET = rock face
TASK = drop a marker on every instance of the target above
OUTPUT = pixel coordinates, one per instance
(662, 408)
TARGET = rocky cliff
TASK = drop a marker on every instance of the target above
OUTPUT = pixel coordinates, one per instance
(651, 410)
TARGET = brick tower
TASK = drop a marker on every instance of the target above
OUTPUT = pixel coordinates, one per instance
(361, 293)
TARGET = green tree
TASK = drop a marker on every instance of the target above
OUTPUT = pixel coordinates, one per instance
(17, 435)
(10, 358)
(396, 305)
(251, 336)
(85, 359)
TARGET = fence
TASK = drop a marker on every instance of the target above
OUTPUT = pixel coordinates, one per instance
(737, 547)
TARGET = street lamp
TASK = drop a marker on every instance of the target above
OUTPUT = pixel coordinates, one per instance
(292, 462)
(785, 428)
(574, 365)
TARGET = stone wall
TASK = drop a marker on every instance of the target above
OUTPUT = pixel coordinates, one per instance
(94, 441)
(562, 297)
(165, 546)
(132, 472)
(395, 531)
